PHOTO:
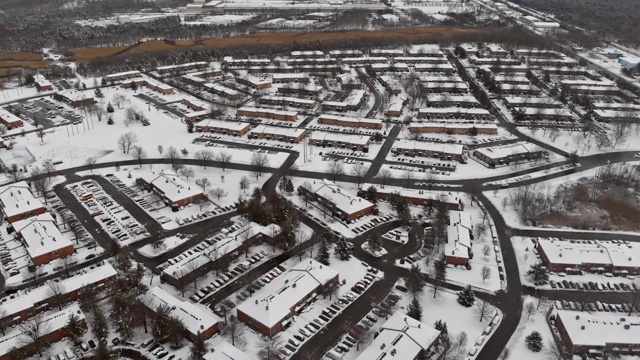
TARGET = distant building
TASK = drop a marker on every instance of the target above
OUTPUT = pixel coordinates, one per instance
(254, 82)
(74, 97)
(505, 154)
(402, 337)
(174, 191)
(290, 135)
(223, 127)
(345, 141)
(195, 318)
(9, 119)
(457, 250)
(272, 308)
(337, 120)
(417, 197)
(18, 202)
(336, 201)
(442, 151)
(629, 61)
(266, 113)
(226, 351)
(42, 84)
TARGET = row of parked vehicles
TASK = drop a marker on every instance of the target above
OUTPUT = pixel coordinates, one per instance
(7, 260)
(156, 350)
(596, 306)
(593, 285)
(350, 339)
(112, 217)
(70, 219)
(371, 224)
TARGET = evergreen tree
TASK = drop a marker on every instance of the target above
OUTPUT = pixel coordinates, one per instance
(371, 194)
(133, 86)
(323, 253)
(110, 121)
(415, 309)
(539, 274)
(343, 249)
(415, 281)
(289, 188)
(442, 326)
(103, 352)
(198, 348)
(466, 297)
(534, 341)
(190, 126)
(100, 326)
(375, 243)
(75, 328)
(110, 108)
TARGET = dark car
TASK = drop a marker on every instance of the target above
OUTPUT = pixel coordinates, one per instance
(401, 288)
(92, 344)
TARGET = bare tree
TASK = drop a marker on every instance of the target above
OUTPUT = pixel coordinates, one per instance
(33, 333)
(187, 172)
(204, 183)
(119, 100)
(204, 156)
(268, 347)
(41, 133)
(217, 193)
(172, 153)
(35, 275)
(90, 162)
(225, 159)
(56, 293)
(259, 161)
(126, 141)
(160, 149)
(486, 250)
(556, 352)
(385, 175)
(335, 169)
(139, 154)
(244, 184)
(482, 309)
(530, 308)
(359, 171)
(485, 273)
(234, 330)
(504, 355)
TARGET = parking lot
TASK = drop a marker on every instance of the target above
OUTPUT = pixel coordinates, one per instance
(46, 112)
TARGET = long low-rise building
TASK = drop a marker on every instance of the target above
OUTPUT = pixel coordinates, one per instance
(287, 101)
(348, 141)
(169, 69)
(454, 128)
(74, 97)
(303, 89)
(443, 151)
(151, 84)
(438, 100)
(121, 76)
(607, 115)
(616, 106)
(416, 196)
(590, 256)
(25, 305)
(271, 309)
(223, 91)
(291, 135)
(454, 112)
(457, 250)
(505, 154)
(267, 113)
(594, 334)
(302, 78)
(196, 318)
(223, 127)
(51, 327)
(446, 68)
(351, 103)
(335, 200)
(254, 82)
(555, 114)
(530, 102)
(437, 87)
(337, 120)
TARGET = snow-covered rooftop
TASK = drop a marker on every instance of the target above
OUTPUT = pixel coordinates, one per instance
(454, 111)
(171, 186)
(40, 235)
(276, 300)
(277, 130)
(50, 322)
(595, 252)
(17, 199)
(226, 351)
(341, 198)
(349, 119)
(503, 151)
(400, 337)
(8, 116)
(362, 140)
(195, 318)
(445, 148)
(447, 198)
(458, 241)
(599, 329)
(460, 217)
(221, 124)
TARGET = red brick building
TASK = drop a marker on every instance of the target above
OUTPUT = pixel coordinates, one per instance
(174, 191)
(18, 202)
(42, 239)
(336, 201)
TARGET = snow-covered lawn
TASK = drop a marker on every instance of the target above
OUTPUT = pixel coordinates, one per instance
(584, 144)
(167, 244)
(528, 323)
(375, 253)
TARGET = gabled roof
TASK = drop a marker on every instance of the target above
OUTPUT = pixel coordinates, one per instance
(172, 186)
(340, 198)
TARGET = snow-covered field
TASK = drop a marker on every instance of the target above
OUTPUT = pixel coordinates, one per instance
(517, 347)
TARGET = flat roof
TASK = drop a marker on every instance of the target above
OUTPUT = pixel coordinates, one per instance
(17, 199)
(445, 148)
(220, 88)
(453, 125)
(268, 111)
(345, 138)
(8, 116)
(277, 130)
(221, 124)
(593, 252)
(458, 241)
(289, 98)
(40, 235)
(349, 119)
(172, 186)
(599, 329)
(226, 351)
(274, 302)
(452, 98)
(454, 111)
(497, 152)
(339, 197)
(447, 198)
(194, 317)
(400, 337)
